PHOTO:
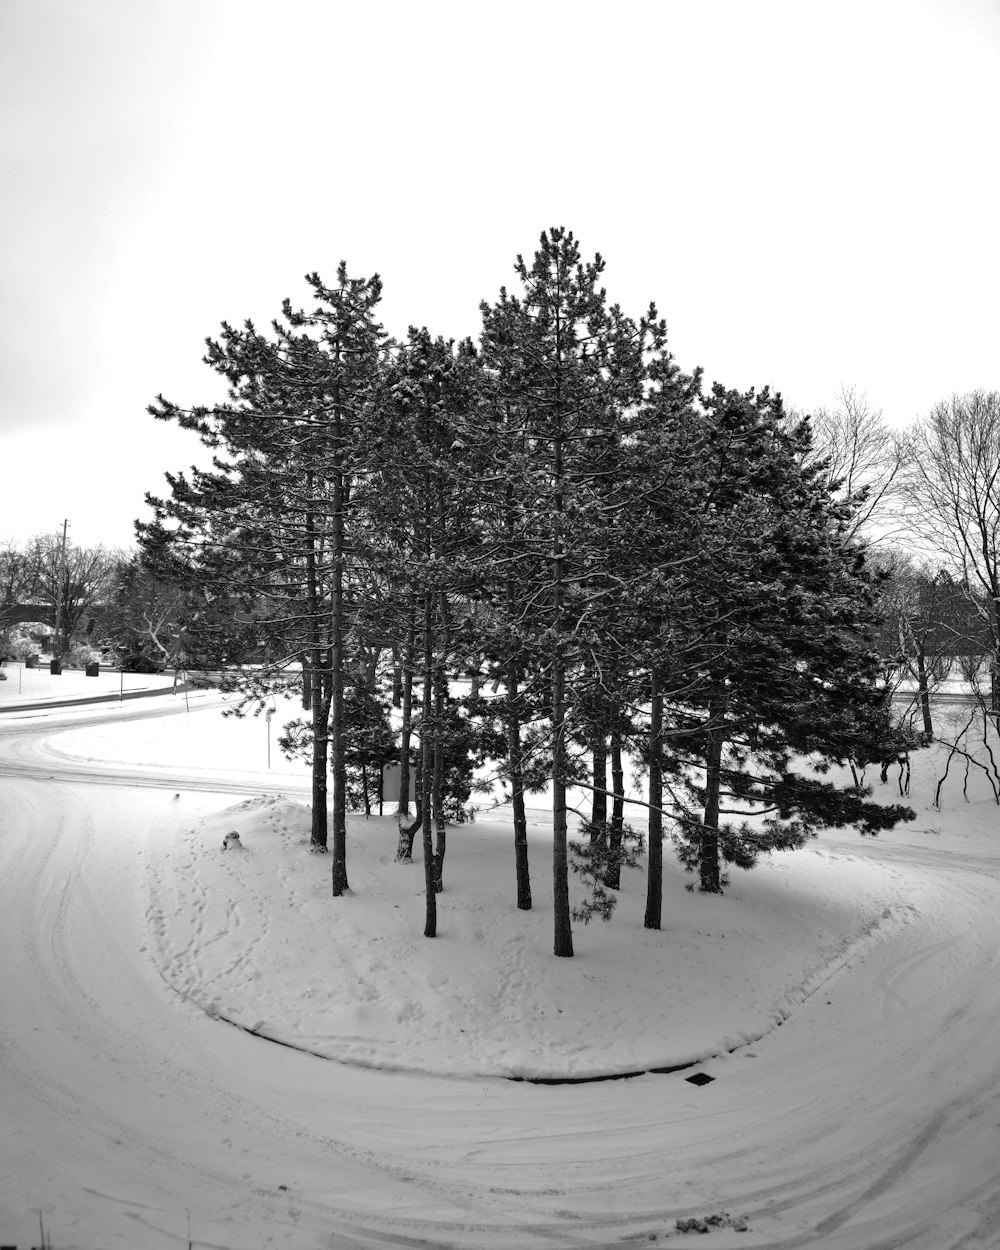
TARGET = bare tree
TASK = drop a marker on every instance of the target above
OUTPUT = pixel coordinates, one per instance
(17, 583)
(864, 459)
(74, 581)
(929, 625)
(952, 480)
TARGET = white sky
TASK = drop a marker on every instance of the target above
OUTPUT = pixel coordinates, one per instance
(807, 190)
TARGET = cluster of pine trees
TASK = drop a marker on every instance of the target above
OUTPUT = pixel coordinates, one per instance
(633, 564)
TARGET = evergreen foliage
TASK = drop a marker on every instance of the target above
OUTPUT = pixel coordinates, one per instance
(636, 564)
(596, 859)
(269, 525)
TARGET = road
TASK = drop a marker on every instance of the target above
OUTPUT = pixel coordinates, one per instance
(870, 1120)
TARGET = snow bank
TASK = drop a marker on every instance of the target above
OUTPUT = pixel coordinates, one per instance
(255, 937)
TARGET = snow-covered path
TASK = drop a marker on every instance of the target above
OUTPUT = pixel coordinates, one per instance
(870, 1118)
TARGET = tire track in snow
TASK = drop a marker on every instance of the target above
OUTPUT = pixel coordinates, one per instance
(479, 1170)
(88, 1039)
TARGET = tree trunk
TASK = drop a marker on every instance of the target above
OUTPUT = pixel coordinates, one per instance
(307, 690)
(563, 932)
(516, 766)
(440, 700)
(613, 880)
(654, 879)
(320, 727)
(515, 751)
(708, 842)
(404, 847)
(397, 676)
(426, 757)
(925, 698)
(338, 627)
(407, 831)
(440, 830)
(312, 682)
(599, 802)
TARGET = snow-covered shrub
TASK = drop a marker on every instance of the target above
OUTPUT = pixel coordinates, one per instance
(25, 639)
(83, 654)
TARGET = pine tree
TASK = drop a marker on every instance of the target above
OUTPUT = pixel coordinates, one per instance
(423, 535)
(271, 520)
(654, 522)
(776, 664)
(562, 366)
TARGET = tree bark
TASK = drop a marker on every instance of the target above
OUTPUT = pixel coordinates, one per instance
(599, 801)
(515, 751)
(407, 831)
(654, 878)
(613, 880)
(426, 758)
(312, 683)
(922, 687)
(397, 676)
(563, 932)
(516, 766)
(320, 728)
(307, 690)
(338, 627)
(440, 829)
(708, 844)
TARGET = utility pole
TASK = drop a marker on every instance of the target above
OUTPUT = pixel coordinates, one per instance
(57, 655)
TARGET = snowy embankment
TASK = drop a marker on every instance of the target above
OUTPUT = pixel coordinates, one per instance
(30, 686)
(254, 937)
(133, 1116)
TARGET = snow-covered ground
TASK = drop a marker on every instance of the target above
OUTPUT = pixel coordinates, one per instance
(845, 999)
(38, 685)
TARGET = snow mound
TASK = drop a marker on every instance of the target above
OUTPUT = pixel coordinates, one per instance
(257, 940)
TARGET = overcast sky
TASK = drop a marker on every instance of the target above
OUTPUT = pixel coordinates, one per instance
(809, 192)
